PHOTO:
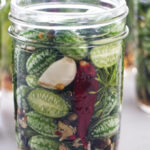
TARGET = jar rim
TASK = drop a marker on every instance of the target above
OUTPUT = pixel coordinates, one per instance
(31, 16)
(14, 5)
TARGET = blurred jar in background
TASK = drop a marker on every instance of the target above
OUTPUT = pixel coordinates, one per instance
(143, 56)
(6, 98)
(6, 71)
(0, 29)
(131, 40)
(2, 3)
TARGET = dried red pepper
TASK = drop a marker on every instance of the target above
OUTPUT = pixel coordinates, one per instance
(84, 101)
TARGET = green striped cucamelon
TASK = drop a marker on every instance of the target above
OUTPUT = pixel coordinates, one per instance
(20, 58)
(106, 55)
(47, 103)
(23, 104)
(112, 29)
(32, 81)
(106, 104)
(41, 124)
(39, 61)
(106, 127)
(43, 143)
(19, 141)
(22, 136)
(22, 93)
(71, 44)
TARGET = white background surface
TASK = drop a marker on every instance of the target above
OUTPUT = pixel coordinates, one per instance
(135, 129)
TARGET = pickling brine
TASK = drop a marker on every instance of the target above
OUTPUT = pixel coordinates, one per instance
(68, 77)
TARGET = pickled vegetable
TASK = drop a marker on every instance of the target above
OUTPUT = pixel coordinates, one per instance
(47, 103)
(69, 82)
(43, 143)
(39, 61)
(105, 128)
(41, 124)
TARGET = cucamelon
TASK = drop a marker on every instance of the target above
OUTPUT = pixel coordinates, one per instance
(23, 136)
(106, 55)
(20, 58)
(41, 124)
(24, 105)
(47, 103)
(39, 61)
(71, 44)
(112, 29)
(106, 127)
(43, 143)
(19, 141)
(32, 81)
(22, 93)
(106, 104)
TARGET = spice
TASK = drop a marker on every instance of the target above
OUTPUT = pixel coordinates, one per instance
(84, 101)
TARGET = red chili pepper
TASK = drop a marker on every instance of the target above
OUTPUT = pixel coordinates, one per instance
(84, 101)
(72, 138)
(58, 133)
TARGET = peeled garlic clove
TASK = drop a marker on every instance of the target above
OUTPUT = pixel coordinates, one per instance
(59, 74)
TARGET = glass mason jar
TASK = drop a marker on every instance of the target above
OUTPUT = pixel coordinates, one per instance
(2, 3)
(68, 73)
(6, 54)
(131, 41)
(143, 56)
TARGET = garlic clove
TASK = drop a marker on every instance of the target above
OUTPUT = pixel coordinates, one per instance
(59, 74)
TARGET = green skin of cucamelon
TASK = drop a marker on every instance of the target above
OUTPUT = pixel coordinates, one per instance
(32, 81)
(105, 127)
(105, 105)
(47, 103)
(39, 61)
(43, 143)
(42, 125)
